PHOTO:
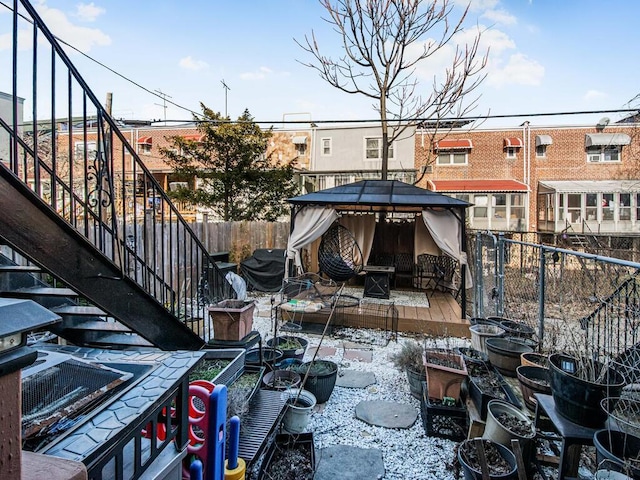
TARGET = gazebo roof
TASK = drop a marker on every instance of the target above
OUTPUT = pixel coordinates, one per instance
(379, 195)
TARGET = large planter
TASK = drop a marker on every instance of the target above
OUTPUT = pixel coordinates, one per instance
(281, 380)
(267, 357)
(289, 456)
(480, 332)
(486, 384)
(321, 378)
(534, 359)
(501, 462)
(624, 414)
(505, 423)
(533, 379)
(618, 450)
(232, 319)
(504, 354)
(576, 396)
(415, 379)
(514, 328)
(445, 373)
(292, 347)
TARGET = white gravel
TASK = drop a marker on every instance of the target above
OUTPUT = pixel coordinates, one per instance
(407, 453)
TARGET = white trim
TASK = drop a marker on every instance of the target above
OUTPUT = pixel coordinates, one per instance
(322, 140)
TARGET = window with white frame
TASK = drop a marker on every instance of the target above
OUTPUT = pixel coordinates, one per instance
(607, 153)
(326, 147)
(79, 150)
(452, 157)
(541, 151)
(511, 152)
(373, 148)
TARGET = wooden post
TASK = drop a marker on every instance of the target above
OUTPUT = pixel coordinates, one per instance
(10, 425)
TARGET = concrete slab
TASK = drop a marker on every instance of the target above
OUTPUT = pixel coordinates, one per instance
(355, 379)
(358, 355)
(349, 463)
(323, 352)
(386, 414)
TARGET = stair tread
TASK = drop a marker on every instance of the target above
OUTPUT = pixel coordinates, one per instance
(100, 326)
(19, 269)
(42, 291)
(79, 310)
(120, 339)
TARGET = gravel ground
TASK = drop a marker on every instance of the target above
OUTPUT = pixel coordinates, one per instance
(407, 453)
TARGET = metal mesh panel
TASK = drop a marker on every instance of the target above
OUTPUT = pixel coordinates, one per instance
(60, 388)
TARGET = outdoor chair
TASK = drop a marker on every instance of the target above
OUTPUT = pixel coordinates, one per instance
(339, 255)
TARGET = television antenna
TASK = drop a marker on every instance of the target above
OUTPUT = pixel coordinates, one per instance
(164, 97)
(226, 89)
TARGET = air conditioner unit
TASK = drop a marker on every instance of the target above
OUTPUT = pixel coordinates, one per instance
(593, 157)
(173, 186)
(427, 169)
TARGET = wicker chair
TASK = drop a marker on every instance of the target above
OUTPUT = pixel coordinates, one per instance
(339, 255)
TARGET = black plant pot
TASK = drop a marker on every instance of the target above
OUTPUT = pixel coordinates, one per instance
(298, 353)
(615, 448)
(270, 357)
(505, 354)
(577, 399)
(320, 384)
(533, 380)
(283, 443)
(471, 473)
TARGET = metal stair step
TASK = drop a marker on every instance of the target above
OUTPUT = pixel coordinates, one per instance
(20, 269)
(99, 326)
(40, 292)
(119, 339)
(79, 310)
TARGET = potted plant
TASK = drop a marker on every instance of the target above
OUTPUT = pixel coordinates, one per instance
(232, 319)
(504, 354)
(445, 372)
(291, 346)
(505, 423)
(289, 457)
(410, 359)
(486, 384)
(500, 462)
(281, 379)
(619, 450)
(578, 386)
(319, 377)
(533, 379)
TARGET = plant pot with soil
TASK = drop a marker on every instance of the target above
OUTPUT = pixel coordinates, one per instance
(281, 380)
(499, 460)
(534, 359)
(291, 346)
(300, 404)
(410, 359)
(480, 332)
(578, 386)
(289, 457)
(505, 423)
(319, 377)
(471, 355)
(533, 379)
(445, 373)
(486, 384)
(504, 354)
(232, 319)
(619, 450)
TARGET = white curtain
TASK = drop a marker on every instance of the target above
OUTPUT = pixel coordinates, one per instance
(445, 229)
(309, 224)
(363, 228)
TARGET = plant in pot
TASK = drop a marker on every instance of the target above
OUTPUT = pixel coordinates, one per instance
(619, 450)
(319, 377)
(281, 379)
(486, 384)
(533, 379)
(291, 346)
(289, 457)
(410, 359)
(505, 423)
(578, 386)
(499, 461)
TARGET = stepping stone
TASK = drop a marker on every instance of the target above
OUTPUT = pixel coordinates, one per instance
(349, 463)
(322, 352)
(359, 355)
(355, 379)
(386, 414)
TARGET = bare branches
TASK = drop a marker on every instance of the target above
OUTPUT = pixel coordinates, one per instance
(384, 43)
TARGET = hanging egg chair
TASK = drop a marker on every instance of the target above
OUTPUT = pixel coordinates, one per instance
(339, 255)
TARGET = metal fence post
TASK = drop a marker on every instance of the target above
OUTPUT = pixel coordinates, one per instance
(541, 295)
(478, 304)
(500, 266)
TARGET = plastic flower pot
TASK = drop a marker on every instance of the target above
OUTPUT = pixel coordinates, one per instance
(292, 347)
(500, 433)
(281, 380)
(533, 379)
(474, 472)
(232, 319)
(480, 332)
(504, 354)
(415, 380)
(445, 373)
(300, 404)
(619, 450)
(321, 378)
(534, 359)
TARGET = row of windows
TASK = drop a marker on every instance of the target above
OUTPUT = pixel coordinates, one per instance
(592, 207)
(595, 154)
(372, 148)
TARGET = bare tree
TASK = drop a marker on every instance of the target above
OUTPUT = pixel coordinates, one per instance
(383, 41)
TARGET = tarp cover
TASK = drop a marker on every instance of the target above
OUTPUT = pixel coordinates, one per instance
(264, 270)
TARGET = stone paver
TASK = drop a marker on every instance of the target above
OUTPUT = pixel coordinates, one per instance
(359, 355)
(386, 414)
(323, 352)
(355, 379)
(349, 463)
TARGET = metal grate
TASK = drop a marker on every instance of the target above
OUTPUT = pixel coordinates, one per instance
(266, 411)
(58, 388)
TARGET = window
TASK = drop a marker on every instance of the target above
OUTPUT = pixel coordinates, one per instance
(591, 211)
(480, 208)
(511, 152)
(373, 149)
(541, 151)
(144, 148)
(79, 148)
(517, 206)
(301, 148)
(452, 157)
(625, 206)
(608, 206)
(500, 205)
(608, 153)
(574, 205)
(326, 147)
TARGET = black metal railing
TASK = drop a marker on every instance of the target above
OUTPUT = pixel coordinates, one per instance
(81, 165)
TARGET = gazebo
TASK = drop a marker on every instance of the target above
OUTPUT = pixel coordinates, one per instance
(438, 220)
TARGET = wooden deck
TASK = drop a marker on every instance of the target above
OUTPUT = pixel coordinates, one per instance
(442, 316)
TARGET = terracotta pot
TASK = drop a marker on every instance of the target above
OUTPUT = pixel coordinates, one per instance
(442, 380)
(534, 359)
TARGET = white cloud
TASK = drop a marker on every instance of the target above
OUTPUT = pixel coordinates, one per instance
(477, 5)
(88, 12)
(82, 38)
(500, 16)
(519, 70)
(594, 95)
(260, 74)
(189, 63)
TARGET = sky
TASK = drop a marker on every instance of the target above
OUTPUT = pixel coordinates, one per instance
(545, 56)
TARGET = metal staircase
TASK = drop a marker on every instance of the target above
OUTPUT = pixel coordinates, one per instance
(79, 204)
